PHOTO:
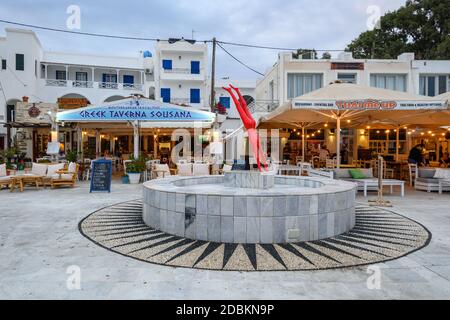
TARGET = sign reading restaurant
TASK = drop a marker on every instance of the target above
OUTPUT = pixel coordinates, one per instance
(134, 112)
(367, 104)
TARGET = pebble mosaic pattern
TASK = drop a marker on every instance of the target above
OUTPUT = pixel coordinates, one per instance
(379, 235)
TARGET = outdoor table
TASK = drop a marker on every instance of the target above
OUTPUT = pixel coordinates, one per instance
(21, 180)
(386, 182)
(158, 171)
(289, 168)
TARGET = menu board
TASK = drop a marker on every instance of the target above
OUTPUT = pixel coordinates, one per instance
(101, 175)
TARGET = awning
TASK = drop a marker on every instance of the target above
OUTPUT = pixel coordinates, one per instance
(132, 109)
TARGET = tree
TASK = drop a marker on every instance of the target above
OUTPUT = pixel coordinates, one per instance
(421, 26)
(326, 55)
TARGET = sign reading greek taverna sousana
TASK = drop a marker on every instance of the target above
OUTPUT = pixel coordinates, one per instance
(132, 110)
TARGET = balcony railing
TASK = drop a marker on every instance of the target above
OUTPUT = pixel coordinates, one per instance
(56, 83)
(263, 106)
(108, 85)
(186, 101)
(82, 84)
(178, 70)
(132, 86)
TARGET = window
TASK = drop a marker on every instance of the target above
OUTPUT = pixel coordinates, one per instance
(20, 62)
(300, 83)
(128, 79)
(3, 64)
(167, 64)
(195, 67)
(165, 94)
(389, 81)
(109, 78)
(60, 75)
(225, 101)
(35, 68)
(347, 77)
(81, 76)
(433, 85)
(195, 95)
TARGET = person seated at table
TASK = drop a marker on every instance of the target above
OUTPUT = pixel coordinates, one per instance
(445, 160)
(106, 154)
(415, 155)
(324, 153)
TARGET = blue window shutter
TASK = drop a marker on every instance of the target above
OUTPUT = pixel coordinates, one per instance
(104, 77)
(195, 67)
(167, 64)
(128, 79)
(195, 95)
(225, 101)
(165, 94)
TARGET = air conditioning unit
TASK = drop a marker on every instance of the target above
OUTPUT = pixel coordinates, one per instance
(148, 71)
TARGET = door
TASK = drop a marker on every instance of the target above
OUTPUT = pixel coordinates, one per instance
(81, 76)
(165, 94)
(195, 95)
(195, 67)
(128, 79)
(225, 101)
(167, 64)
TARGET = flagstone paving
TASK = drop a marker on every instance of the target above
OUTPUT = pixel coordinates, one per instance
(40, 240)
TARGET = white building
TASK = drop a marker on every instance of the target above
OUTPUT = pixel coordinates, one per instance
(176, 72)
(292, 77)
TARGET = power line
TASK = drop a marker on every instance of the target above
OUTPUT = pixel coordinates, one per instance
(273, 48)
(79, 32)
(248, 67)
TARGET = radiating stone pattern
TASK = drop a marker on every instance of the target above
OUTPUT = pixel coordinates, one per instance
(278, 217)
(378, 236)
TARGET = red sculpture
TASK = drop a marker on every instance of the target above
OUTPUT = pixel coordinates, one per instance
(250, 126)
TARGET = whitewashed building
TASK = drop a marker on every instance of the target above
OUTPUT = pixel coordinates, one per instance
(176, 72)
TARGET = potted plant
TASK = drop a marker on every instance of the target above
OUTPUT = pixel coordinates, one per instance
(72, 156)
(135, 168)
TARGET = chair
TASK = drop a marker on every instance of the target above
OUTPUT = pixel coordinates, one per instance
(330, 163)
(161, 170)
(412, 168)
(65, 177)
(5, 180)
(184, 169)
(200, 169)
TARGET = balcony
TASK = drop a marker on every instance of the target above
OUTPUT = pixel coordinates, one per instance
(92, 84)
(178, 70)
(182, 74)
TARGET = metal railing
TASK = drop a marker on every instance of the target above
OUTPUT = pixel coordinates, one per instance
(82, 84)
(263, 105)
(55, 83)
(132, 86)
(108, 85)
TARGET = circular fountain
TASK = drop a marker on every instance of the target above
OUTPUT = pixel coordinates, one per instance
(250, 207)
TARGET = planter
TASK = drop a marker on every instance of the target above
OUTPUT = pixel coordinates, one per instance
(125, 180)
(134, 177)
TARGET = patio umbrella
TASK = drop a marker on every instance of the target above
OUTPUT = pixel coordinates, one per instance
(343, 101)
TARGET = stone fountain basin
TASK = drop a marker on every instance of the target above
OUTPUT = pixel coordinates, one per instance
(294, 209)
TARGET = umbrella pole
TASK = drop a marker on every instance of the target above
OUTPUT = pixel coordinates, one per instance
(397, 147)
(338, 142)
(380, 202)
(303, 144)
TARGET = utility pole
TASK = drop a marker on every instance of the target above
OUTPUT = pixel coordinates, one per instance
(213, 73)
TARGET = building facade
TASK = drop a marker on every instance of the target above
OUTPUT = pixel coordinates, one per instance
(176, 72)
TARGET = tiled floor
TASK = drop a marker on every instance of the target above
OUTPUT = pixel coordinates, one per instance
(39, 240)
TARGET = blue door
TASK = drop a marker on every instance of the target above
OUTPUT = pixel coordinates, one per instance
(127, 79)
(195, 67)
(195, 95)
(167, 64)
(225, 101)
(165, 94)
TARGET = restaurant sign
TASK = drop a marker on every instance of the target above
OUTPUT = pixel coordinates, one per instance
(367, 104)
(134, 112)
(347, 66)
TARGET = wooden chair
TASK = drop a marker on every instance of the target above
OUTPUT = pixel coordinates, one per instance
(5, 181)
(65, 177)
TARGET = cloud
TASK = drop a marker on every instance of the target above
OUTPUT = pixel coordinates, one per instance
(323, 24)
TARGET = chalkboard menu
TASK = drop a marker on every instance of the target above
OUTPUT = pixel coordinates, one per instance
(101, 175)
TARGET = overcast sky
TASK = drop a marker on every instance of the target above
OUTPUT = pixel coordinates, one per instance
(325, 24)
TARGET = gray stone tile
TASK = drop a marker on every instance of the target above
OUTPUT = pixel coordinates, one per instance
(214, 228)
(323, 226)
(322, 203)
(171, 201)
(279, 206)
(226, 206)
(253, 206)
(227, 229)
(279, 229)
(240, 229)
(202, 204)
(266, 235)
(191, 229)
(201, 227)
(314, 227)
(313, 204)
(253, 229)
(304, 226)
(330, 224)
(214, 205)
(240, 206)
(266, 207)
(163, 219)
(171, 222)
(180, 202)
(291, 206)
(190, 200)
(163, 200)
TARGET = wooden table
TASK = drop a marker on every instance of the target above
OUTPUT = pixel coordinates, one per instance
(19, 181)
